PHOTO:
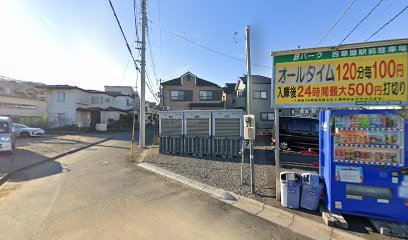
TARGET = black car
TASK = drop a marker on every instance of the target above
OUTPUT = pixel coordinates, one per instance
(297, 132)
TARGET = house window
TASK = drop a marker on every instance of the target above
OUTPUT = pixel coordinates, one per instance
(61, 117)
(97, 100)
(177, 96)
(267, 116)
(206, 95)
(61, 96)
(260, 95)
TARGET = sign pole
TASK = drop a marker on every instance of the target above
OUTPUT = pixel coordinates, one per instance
(242, 161)
(277, 155)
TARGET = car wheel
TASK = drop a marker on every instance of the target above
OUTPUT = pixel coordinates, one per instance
(283, 145)
(24, 134)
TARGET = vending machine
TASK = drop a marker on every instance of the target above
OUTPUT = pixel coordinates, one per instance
(363, 160)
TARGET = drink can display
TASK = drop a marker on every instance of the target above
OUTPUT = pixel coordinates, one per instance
(383, 121)
(373, 120)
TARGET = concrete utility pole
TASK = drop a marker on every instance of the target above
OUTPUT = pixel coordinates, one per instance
(142, 127)
(249, 77)
(249, 106)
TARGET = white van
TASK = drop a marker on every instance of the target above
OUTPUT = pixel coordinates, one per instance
(7, 138)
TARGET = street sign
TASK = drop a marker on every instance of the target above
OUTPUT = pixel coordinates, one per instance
(369, 74)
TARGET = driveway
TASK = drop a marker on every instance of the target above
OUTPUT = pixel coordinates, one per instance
(33, 150)
(98, 194)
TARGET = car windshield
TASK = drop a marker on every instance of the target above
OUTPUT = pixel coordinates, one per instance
(20, 125)
(4, 127)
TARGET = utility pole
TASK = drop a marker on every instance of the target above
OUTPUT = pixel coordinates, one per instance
(142, 127)
(249, 105)
(248, 65)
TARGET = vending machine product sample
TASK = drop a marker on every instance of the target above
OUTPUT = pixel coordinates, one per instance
(363, 160)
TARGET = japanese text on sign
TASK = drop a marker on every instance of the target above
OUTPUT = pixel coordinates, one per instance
(369, 76)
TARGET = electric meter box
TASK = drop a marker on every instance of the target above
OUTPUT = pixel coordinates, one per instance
(249, 121)
(249, 127)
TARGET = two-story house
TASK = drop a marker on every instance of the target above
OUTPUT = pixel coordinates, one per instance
(125, 97)
(62, 104)
(228, 95)
(189, 92)
(71, 105)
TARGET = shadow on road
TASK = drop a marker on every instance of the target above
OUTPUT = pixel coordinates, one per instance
(39, 171)
(22, 158)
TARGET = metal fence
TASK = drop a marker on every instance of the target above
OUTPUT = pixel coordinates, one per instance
(204, 132)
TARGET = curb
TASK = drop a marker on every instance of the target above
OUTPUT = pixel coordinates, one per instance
(7, 176)
(270, 213)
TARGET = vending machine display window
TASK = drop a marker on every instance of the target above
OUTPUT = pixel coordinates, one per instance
(369, 139)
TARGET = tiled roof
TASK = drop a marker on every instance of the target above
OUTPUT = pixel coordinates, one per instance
(95, 109)
(257, 79)
(200, 81)
(116, 94)
(110, 93)
(229, 88)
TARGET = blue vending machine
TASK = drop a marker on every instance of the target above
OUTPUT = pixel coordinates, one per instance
(363, 160)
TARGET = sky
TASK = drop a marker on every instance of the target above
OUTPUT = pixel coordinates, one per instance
(78, 42)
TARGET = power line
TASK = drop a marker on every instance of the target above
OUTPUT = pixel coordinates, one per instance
(135, 16)
(127, 44)
(337, 21)
(378, 17)
(392, 19)
(152, 56)
(362, 20)
(123, 34)
(150, 86)
(207, 48)
(125, 70)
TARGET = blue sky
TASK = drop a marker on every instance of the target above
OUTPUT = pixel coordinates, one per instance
(79, 43)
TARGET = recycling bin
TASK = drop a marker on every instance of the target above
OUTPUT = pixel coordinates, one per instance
(312, 187)
(290, 189)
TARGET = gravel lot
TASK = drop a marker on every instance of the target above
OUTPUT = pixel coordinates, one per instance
(226, 174)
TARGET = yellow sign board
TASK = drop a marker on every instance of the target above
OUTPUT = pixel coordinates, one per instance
(342, 78)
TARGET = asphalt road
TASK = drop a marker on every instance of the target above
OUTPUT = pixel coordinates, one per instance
(98, 194)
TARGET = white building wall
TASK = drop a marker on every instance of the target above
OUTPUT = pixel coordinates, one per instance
(76, 98)
(108, 101)
(63, 113)
(22, 107)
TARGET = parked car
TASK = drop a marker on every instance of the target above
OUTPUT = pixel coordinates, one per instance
(24, 131)
(7, 138)
(297, 132)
